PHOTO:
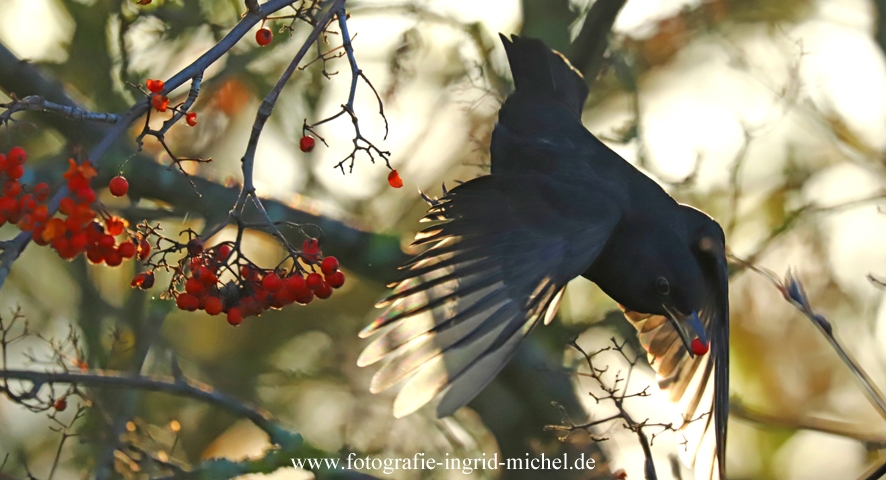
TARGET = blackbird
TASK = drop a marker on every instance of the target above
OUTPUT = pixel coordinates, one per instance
(557, 204)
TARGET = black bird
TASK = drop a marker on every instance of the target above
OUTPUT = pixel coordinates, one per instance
(557, 204)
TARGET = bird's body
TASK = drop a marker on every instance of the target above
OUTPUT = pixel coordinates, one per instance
(557, 204)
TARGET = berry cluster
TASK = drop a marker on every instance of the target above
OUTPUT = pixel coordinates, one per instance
(17, 206)
(254, 289)
(161, 102)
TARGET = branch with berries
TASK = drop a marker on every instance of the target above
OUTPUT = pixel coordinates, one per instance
(217, 278)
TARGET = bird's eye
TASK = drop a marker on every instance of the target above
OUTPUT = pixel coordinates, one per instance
(662, 286)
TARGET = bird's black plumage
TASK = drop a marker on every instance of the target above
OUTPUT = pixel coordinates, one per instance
(557, 204)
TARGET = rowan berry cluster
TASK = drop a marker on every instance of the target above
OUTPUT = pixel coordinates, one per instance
(16, 203)
(76, 228)
(220, 279)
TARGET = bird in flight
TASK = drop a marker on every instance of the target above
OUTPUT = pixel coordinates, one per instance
(557, 204)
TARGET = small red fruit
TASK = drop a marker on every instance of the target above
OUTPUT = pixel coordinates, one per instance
(324, 291)
(213, 305)
(195, 247)
(304, 297)
(272, 282)
(159, 102)
(699, 348)
(310, 246)
(223, 252)
(295, 283)
(144, 249)
(235, 317)
(191, 119)
(329, 265)
(41, 191)
(193, 286)
(60, 404)
(154, 86)
(306, 144)
(16, 156)
(148, 282)
(335, 279)
(188, 302)
(118, 186)
(126, 249)
(264, 36)
(113, 259)
(12, 188)
(394, 179)
(314, 281)
(86, 195)
(15, 172)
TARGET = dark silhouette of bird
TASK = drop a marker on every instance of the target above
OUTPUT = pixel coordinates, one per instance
(557, 204)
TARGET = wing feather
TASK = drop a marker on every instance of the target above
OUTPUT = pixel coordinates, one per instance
(494, 268)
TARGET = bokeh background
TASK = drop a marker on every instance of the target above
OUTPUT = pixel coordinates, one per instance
(768, 114)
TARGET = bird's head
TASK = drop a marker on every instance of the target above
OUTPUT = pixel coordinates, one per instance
(675, 287)
(667, 278)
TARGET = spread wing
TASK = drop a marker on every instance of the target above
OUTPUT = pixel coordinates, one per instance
(699, 387)
(497, 264)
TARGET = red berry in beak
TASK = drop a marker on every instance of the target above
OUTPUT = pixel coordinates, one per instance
(699, 348)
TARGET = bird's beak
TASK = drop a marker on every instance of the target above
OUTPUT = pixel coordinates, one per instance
(688, 327)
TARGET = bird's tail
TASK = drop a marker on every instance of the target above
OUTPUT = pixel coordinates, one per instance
(539, 70)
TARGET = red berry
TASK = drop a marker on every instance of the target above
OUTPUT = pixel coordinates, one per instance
(191, 119)
(12, 188)
(193, 286)
(126, 249)
(314, 281)
(283, 297)
(159, 102)
(264, 36)
(138, 280)
(95, 256)
(223, 252)
(699, 348)
(78, 242)
(86, 195)
(324, 291)
(186, 301)
(60, 404)
(394, 179)
(41, 191)
(144, 249)
(119, 186)
(15, 172)
(106, 242)
(310, 246)
(113, 259)
(16, 156)
(115, 226)
(195, 247)
(154, 86)
(234, 316)
(329, 265)
(305, 296)
(306, 144)
(67, 206)
(335, 279)
(213, 305)
(272, 282)
(149, 280)
(295, 283)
